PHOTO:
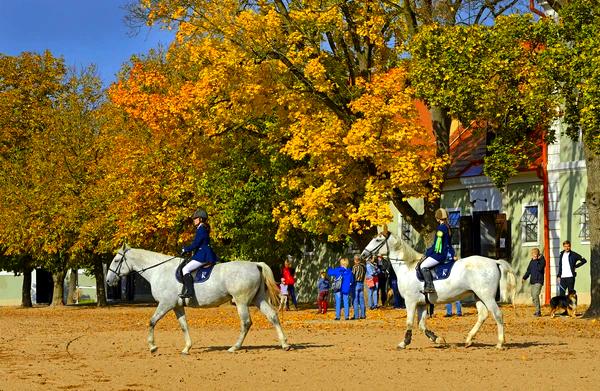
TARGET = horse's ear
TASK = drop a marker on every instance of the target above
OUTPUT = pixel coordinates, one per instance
(386, 232)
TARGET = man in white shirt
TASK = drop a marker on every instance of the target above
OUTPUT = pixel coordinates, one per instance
(568, 262)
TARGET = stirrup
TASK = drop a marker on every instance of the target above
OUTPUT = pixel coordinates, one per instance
(428, 289)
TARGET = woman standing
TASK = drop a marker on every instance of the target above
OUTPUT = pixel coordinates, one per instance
(345, 273)
(372, 282)
(287, 274)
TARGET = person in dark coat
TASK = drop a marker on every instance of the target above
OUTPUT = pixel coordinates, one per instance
(568, 261)
(535, 273)
(202, 253)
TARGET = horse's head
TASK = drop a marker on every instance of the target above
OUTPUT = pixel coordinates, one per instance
(118, 267)
(379, 245)
(389, 245)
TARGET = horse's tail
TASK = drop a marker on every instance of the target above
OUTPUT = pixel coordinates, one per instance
(508, 282)
(270, 284)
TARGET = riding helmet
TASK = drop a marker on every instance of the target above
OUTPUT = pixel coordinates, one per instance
(441, 214)
(200, 214)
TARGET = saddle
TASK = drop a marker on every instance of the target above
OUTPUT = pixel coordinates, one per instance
(439, 272)
(200, 275)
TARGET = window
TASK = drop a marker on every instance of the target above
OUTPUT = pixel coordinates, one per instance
(529, 224)
(584, 221)
(454, 222)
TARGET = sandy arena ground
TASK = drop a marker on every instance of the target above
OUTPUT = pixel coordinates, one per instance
(88, 348)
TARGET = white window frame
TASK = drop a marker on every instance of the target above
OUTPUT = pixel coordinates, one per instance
(454, 210)
(522, 229)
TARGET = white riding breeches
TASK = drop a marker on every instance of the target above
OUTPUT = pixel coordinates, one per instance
(429, 262)
(191, 266)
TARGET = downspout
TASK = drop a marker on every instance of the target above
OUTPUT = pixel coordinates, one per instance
(548, 292)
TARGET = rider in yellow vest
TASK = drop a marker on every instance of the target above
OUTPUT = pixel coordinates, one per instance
(439, 251)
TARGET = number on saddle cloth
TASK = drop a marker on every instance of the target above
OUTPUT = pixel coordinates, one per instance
(201, 274)
(439, 272)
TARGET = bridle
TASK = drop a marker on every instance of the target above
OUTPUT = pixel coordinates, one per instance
(379, 246)
(387, 252)
(123, 260)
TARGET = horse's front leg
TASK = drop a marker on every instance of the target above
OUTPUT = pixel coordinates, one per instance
(410, 318)
(180, 313)
(161, 310)
(422, 313)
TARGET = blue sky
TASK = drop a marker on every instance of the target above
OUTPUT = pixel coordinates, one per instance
(81, 31)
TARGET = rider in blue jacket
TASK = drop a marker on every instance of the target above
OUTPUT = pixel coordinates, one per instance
(439, 251)
(202, 253)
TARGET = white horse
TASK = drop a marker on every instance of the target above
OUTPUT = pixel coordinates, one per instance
(477, 275)
(246, 282)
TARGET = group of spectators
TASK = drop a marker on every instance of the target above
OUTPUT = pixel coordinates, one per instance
(568, 261)
(349, 286)
(376, 279)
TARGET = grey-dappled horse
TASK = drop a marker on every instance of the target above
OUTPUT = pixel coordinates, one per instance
(246, 283)
(477, 275)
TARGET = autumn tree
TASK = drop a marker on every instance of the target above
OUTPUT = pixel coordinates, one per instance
(512, 78)
(325, 83)
(574, 62)
(29, 84)
(168, 169)
(53, 118)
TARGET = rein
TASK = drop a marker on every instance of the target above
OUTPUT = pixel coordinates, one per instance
(374, 251)
(124, 260)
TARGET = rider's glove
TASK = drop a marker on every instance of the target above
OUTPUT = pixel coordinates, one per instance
(183, 252)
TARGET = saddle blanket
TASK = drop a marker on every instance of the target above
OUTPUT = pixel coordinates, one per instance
(439, 272)
(200, 275)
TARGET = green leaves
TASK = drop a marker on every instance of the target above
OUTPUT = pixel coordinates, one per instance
(494, 78)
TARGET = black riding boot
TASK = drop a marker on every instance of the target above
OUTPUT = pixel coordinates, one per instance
(188, 284)
(427, 277)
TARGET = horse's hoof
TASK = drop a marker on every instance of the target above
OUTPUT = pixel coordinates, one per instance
(185, 353)
(232, 349)
(153, 349)
(468, 344)
(287, 348)
(401, 346)
(500, 347)
(440, 340)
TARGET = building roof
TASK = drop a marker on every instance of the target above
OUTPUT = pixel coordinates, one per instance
(468, 146)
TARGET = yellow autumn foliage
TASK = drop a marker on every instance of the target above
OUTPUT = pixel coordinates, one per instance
(313, 85)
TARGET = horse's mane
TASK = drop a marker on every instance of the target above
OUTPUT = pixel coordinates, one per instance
(409, 255)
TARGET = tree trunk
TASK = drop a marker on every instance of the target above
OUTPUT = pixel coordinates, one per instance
(100, 283)
(57, 296)
(72, 287)
(26, 290)
(592, 199)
